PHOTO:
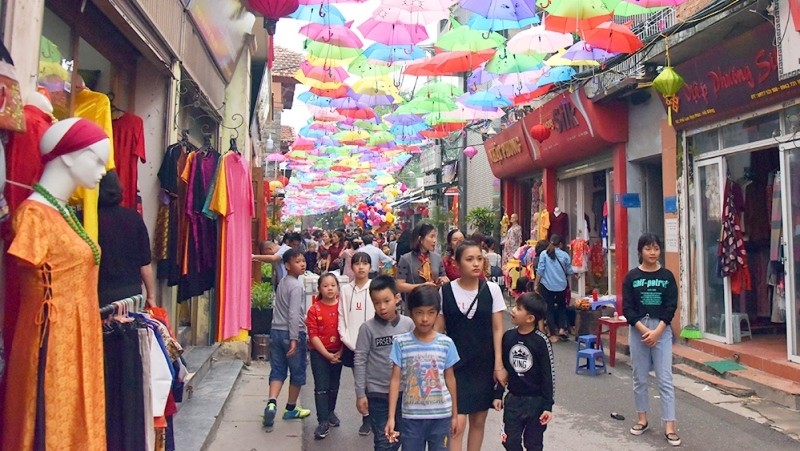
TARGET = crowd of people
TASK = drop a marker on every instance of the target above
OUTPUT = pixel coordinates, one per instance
(424, 336)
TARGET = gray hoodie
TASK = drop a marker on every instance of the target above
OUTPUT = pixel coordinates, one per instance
(373, 369)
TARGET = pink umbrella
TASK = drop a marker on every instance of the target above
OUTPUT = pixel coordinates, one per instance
(324, 74)
(338, 35)
(276, 157)
(319, 2)
(419, 5)
(398, 14)
(393, 33)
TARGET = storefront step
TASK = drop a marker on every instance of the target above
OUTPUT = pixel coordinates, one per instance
(198, 418)
(719, 383)
(198, 360)
(783, 391)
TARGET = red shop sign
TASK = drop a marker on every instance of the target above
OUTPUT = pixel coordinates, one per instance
(580, 128)
(736, 76)
(509, 152)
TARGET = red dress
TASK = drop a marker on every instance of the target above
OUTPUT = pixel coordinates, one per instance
(128, 150)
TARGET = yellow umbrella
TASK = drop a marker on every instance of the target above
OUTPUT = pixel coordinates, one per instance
(328, 62)
(313, 82)
(374, 86)
(559, 60)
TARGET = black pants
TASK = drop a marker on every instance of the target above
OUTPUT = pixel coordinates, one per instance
(556, 309)
(123, 383)
(326, 384)
(521, 423)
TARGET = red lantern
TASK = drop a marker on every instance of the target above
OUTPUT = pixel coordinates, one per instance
(272, 10)
(540, 132)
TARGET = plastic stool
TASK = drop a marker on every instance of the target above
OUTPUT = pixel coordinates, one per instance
(591, 356)
(738, 333)
(589, 341)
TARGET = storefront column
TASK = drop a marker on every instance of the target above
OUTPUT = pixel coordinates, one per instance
(672, 257)
(550, 181)
(620, 219)
(23, 32)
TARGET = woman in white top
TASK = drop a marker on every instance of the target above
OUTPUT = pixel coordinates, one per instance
(472, 314)
(355, 308)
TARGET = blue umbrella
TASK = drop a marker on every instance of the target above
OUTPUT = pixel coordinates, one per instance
(556, 75)
(485, 99)
(408, 130)
(382, 52)
(310, 98)
(502, 9)
(309, 132)
(402, 119)
(324, 14)
(478, 22)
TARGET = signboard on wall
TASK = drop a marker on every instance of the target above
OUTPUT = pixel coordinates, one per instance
(223, 25)
(736, 76)
(787, 36)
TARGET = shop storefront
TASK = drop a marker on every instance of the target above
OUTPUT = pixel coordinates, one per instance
(739, 124)
(569, 179)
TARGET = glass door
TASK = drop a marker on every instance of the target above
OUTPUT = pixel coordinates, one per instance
(713, 291)
(790, 171)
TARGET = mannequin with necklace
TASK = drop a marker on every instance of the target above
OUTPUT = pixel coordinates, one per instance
(512, 240)
(56, 366)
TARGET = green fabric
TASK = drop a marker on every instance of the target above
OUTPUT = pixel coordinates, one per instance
(723, 366)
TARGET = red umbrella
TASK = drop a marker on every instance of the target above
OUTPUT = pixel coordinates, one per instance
(613, 37)
(357, 113)
(564, 24)
(324, 74)
(448, 63)
(529, 96)
(337, 93)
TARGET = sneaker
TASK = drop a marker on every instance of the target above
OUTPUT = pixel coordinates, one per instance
(673, 439)
(297, 413)
(638, 428)
(269, 416)
(322, 431)
(365, 428)
(333, 420)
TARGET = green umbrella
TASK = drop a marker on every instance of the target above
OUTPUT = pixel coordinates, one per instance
(439, 89)
(576, 9)
(379, 138)
(327, 51)
(504, 62)
(422, 105)
(627, 9)
(463, 38)
(371, 68)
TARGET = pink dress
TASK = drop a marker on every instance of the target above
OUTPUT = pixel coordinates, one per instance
(233, 200)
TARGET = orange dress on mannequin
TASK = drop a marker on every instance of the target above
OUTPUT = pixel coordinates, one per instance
(59, 339)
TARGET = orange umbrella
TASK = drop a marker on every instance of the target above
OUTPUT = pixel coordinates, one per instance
(449, 63)
(336, 93)
(613, 37)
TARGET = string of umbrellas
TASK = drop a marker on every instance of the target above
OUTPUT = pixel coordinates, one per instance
(362, 130)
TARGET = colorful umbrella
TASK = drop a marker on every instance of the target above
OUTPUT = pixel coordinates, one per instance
(396, 14)
(402, 119)
(316, 83)
(324, 14)
(420, 5)
(559, 60)
(375, 85)
(331, 74)
(438, 89)
(504, 62)
(373, 100)
(370, 68)
(339, 35)
(568, 16)
(485, 99)
(423, 105)
(333, 93)
(480, 76)
(583, 51)
(313, 99)
(478, 22)
(626, 9)
(449, 63)
(393, 33)
(327, 51)
(656, 3)
(539, 40)
(357, 113)
(559, 74)
(463, 38)
(382, 52)
(613, 37)
(502, 9)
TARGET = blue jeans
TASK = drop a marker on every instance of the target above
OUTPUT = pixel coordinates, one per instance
(378, 415)
(434, 433)
(280, 365)
(659, 358)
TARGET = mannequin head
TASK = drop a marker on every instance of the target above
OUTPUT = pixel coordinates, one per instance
(74, 153)
(514, 218)
(556, 211)
(39, 101)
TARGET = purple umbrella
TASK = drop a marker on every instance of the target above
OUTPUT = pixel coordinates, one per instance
(479, 76)
(583, 51)
(370, 100)
(502, 9)
(402, 119)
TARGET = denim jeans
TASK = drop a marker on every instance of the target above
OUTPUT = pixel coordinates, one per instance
(326, 384)
(280, 365)
(433, 433)
(659, 358)
(379, 415)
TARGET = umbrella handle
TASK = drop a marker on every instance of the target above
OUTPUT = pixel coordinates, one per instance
(410, 50)
(487, 34)
(549, 2)
(321, 12)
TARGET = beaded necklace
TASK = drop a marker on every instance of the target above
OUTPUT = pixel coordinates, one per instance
(71, 219)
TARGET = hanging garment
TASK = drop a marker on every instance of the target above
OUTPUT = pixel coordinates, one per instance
(559, 225)
(171, 225)
(598, 259)
(147, 393)
(56, 370)
(129, 149)
(544, 225)
(731, 251)
(511, 242)
(125, 423)
(580, 255)
(23, 158)
(777, 223)
(233, 200)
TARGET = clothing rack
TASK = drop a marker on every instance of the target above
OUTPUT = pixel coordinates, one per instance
(132, 304)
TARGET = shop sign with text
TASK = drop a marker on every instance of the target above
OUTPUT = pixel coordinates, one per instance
(738, 75)
(509, 152)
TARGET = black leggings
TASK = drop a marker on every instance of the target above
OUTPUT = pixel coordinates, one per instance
(556, 309)
(326, 384)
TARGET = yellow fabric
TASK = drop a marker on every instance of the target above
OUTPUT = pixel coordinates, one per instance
(544, 224)
(219, 204)
(95, 107)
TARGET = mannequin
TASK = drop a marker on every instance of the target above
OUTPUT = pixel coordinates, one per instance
(40, 101)
(512, 239)
(58, 363)
(559, 224)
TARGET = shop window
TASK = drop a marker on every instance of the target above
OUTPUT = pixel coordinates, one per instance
(707, 141)
(56, 62)
(751, 130)
(792, 120)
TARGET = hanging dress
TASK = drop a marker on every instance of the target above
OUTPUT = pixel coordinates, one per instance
(56, 369)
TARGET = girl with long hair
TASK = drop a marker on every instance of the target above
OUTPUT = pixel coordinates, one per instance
(552, 281)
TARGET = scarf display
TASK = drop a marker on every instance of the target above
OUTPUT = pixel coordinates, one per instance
(425, 267)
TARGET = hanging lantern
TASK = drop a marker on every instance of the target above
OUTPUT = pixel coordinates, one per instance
(540, 132)
(668, 83)
(272, 10)
(470, 152)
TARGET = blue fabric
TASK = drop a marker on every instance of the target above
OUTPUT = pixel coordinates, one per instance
(280, 365)
(378, 404)
(416, 434)
(659, 358)
(553, 271)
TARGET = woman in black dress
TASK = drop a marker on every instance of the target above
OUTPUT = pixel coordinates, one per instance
(472, 314)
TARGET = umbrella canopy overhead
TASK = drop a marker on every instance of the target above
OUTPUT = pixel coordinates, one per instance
(502, 9)
(393, 33)
(397, 14)
(323, 14)
(614, 37)
(338, 35)
(539, 40)
(575, 16)
(449, 63)
(464, 38)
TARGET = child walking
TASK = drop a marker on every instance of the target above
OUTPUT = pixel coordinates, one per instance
(287, 346)
(373, 368)
(355, 308)
(322, 323)
(422, 369)
(528, 358)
